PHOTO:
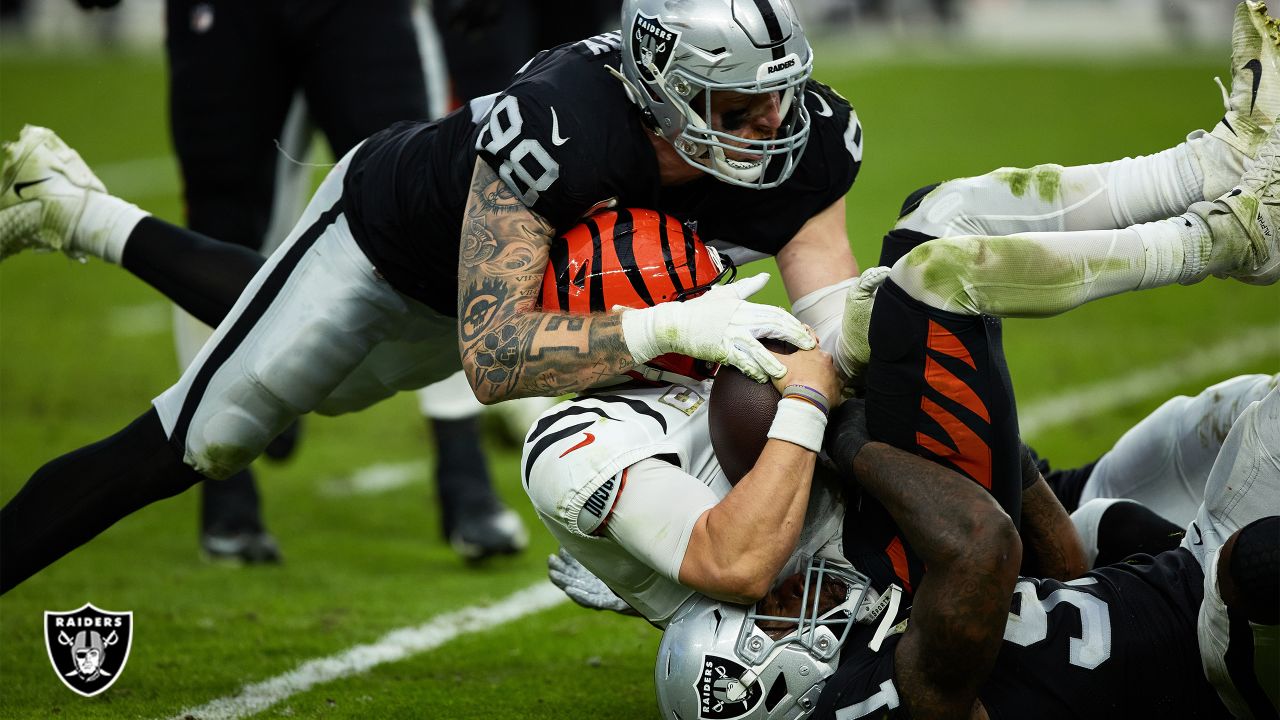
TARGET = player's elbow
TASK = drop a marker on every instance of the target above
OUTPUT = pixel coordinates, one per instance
(730, 576)
(983, 539)
(486, 392)
(743, 584)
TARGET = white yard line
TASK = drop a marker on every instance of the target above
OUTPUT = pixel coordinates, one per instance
(392, 647)
(377, 479)
(1148, 382)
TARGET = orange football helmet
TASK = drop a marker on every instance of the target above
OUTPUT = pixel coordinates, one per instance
(634, 258)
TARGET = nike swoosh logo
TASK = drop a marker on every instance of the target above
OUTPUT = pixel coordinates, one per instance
(1255, 66)
(19, 187)
(585, 442)
(1199, 537)
(555, 130)
(825, 110)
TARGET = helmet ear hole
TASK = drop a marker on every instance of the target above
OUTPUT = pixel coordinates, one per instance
(776, 693)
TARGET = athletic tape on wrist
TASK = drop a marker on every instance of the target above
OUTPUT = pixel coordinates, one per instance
(804, 392)
(800, 422)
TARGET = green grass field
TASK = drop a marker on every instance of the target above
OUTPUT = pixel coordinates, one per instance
(78, 360)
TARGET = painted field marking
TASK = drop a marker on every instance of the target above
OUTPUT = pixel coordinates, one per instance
(392, 647)
(376, 479)
(1146, 382)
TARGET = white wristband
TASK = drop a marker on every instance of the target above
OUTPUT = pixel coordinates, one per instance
(800, 423)
(639, 334)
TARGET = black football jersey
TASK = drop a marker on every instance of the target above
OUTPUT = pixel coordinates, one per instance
(1118, 643)
(567, 140)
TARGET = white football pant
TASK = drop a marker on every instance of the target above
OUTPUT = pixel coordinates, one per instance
(316, 330)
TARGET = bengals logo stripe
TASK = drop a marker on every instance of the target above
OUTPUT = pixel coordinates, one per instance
(665, 242)
(560, 272)
(953, 388)
(624, 232)
(595, 287)
(971, 455)
(690, 250)
(945, 342)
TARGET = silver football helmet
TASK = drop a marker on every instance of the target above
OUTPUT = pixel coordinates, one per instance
(717, 660)
(674, 54)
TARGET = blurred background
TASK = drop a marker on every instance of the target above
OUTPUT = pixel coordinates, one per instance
(943, 89)
(859, 26)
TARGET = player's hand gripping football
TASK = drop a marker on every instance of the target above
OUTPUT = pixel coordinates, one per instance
(812, 368)
(582, 586)
(853, 352)
(720, 326)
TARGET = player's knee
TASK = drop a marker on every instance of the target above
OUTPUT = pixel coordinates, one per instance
(936, 271)
(983, 539)
(936, 209)
(912, 203)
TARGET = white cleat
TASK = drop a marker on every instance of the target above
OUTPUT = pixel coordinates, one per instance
(45, 187)
(1245, 223)
(1254, 100)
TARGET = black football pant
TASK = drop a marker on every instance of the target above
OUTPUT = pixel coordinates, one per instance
(937, 386)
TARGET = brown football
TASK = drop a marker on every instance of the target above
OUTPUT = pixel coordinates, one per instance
(741, 411)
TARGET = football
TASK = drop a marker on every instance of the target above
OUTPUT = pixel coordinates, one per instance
(740, 412)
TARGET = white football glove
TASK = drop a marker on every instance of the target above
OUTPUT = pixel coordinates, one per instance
(720, 326)
(853, 352)
(582, 586)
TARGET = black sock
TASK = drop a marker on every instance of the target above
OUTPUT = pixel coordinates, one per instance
(231, 506)
(201, 275)
(1127, 528)
(75, 497)
(462, 473)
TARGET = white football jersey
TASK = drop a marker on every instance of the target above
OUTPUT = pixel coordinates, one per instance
(620, 479)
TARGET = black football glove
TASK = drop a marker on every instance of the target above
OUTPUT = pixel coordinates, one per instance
(846, 433)
(91, 4)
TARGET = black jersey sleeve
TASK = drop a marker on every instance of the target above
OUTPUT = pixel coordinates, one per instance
(551, 135)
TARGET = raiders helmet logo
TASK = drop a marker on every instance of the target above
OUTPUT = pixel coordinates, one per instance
(721, 694)
(652, 43)
(88, 647)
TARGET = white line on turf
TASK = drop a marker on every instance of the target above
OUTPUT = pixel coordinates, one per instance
(375, 479)
(392, 647)
(403, 643)
(1147, 382)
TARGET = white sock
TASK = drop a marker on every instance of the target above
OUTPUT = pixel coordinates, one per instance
(105, 226)
(1173, 250)
(1154, 186)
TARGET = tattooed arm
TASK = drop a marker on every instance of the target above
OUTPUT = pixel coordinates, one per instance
(509, 348)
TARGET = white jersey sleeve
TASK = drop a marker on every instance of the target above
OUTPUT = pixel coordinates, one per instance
(655, 513)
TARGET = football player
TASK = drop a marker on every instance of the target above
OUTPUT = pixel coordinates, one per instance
(440, 230)
(625, 476)
(1189, 633)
